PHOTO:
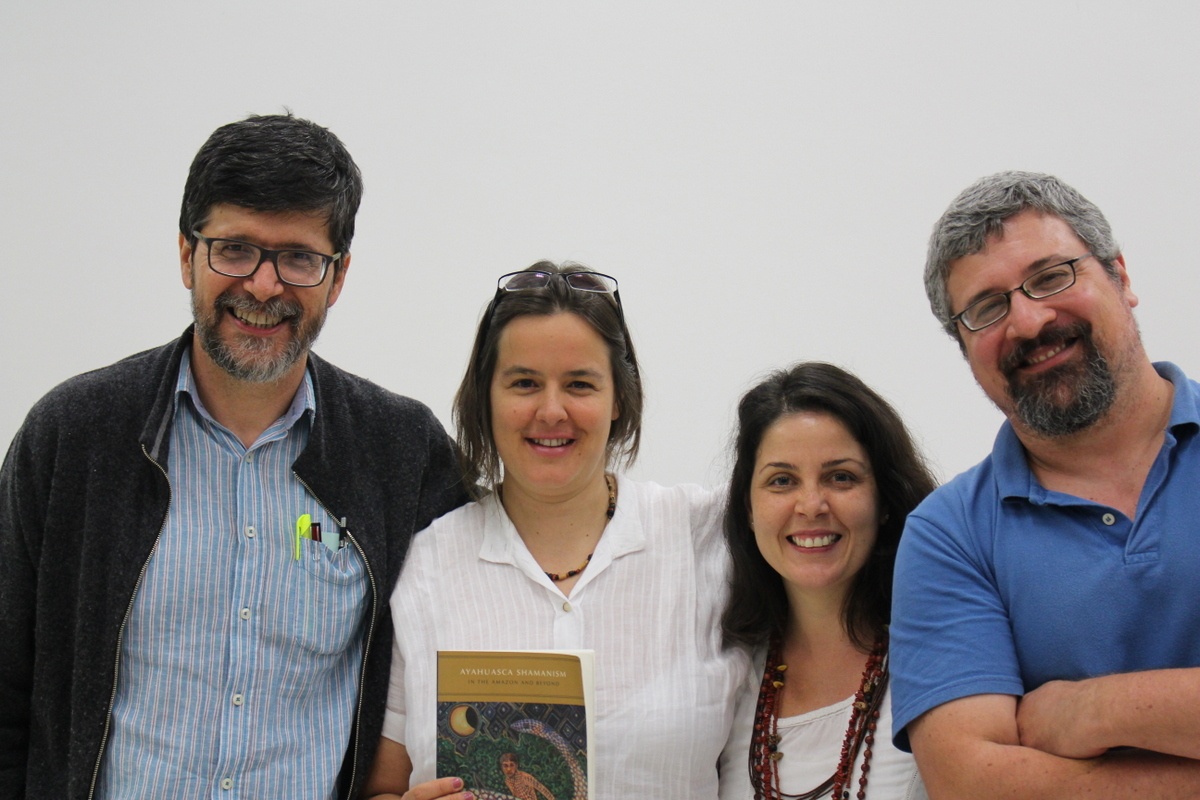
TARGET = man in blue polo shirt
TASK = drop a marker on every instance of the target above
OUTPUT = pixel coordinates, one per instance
(198, 543)
(1045, 634)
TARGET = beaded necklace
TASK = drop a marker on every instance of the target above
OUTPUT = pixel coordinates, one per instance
(608, 513)
(864, 715)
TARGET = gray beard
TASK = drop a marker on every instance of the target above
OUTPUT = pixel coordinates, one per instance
(1092, 392)
(249, 359)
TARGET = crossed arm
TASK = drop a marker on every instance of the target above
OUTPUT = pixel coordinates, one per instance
(1057, 741)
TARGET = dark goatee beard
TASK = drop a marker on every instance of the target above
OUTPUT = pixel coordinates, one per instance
(1068, 398)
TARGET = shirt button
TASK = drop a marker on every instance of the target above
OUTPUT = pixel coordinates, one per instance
(1108, 518)
(227, 783)
(244, 613)
(249, 531)
(566, 606)
(249, 458)
(238, 700)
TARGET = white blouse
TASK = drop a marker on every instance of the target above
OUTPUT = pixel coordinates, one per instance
(648, 604)
(811, 744)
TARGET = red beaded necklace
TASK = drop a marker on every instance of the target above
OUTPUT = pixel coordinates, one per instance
(864, 715)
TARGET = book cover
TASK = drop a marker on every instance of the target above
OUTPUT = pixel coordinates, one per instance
(514, 725)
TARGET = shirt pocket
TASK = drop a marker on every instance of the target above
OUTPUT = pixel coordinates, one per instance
(329, 600)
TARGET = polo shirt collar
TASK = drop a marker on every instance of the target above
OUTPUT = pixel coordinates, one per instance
(1016, 480)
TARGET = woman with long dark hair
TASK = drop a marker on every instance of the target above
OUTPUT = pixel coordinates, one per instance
(825, 473)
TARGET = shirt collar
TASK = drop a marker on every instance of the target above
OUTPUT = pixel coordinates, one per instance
(1015, 479)
(1185, 408)
(623, 535)
(305, 399)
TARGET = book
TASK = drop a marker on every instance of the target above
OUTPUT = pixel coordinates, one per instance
(516, 723)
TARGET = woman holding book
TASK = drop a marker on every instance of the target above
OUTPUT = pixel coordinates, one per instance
(824, 475)
(561, 553)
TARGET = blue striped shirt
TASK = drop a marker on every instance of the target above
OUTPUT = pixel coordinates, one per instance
(239, 663)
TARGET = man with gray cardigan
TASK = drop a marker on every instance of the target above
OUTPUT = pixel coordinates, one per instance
(197, 543)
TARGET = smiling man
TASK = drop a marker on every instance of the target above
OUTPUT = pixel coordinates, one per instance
(197, 544)
(1045, 640)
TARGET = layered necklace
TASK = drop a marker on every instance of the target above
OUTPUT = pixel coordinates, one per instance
(864, 715)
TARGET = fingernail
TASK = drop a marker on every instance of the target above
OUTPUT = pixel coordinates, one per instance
(458, 784)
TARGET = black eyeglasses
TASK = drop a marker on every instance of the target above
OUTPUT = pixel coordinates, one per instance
(532, 280)
(525, 281)
(579, 281)
(1044, 283)
(237, 259)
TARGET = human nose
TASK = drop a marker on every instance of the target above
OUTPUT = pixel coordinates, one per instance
(810, 501)
(1027, 317)
(551, 408)
(264, 282)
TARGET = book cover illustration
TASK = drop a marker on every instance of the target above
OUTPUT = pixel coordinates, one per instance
(514, 724)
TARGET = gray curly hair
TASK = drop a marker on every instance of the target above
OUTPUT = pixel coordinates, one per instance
(981, 211)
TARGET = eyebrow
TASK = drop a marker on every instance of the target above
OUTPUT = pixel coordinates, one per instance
(836, 462)
(290, 246)
(517, 369)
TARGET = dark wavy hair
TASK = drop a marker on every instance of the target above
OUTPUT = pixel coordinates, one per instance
(758, 605)
(478, 458)
(276, 162)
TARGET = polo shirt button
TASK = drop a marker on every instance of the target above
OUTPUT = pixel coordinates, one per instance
(244, 613)
(1108, 518)
(566, 606)
(227, 783)
(238, 699)
(249, 531)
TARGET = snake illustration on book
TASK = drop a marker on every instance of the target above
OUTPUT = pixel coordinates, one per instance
(535, 728)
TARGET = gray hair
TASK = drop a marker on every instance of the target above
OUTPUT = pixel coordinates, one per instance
(981, 211)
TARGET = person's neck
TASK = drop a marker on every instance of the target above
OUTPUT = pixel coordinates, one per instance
(1107, 462)
(815, 620)
(562, 515)
(246, 409)
(560, 530)
(824, 665)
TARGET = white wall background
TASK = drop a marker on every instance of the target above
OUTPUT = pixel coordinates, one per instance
(760, 176)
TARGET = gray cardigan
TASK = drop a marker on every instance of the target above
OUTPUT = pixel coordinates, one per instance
(83, 498)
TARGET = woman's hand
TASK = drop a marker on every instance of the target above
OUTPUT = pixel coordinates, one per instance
(390, 773)
(440, 789)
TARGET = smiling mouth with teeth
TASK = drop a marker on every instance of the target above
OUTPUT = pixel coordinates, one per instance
(257, 319)
(551, 442)
(814, 541)
(1039, 359)
(1055, 341)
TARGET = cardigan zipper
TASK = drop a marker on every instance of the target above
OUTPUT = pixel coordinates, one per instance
(362, 668)
(112, 699)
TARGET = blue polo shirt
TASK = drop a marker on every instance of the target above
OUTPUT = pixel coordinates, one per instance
(1002, 585)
